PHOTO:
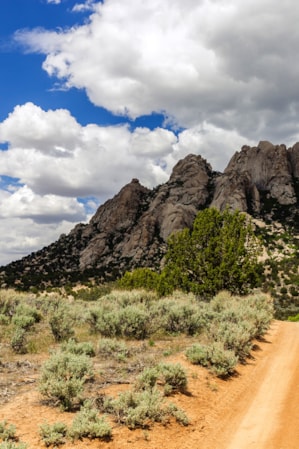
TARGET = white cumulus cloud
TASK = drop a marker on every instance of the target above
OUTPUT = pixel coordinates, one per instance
(230, 64)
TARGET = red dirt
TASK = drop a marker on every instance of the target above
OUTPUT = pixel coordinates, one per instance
(256, 409)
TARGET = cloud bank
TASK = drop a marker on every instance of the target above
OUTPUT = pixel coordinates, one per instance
(225, 73)
(228, 63)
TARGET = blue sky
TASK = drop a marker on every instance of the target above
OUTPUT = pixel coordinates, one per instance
(93, 94)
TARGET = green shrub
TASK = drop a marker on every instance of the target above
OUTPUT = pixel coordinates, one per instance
(63, 376)
(104, 321)
(171, 376)
(74, 347)
(54, 434)
(147, 380)
(61, 324)
(178, 316)
(223, 361)
(18, 341)
(26, 310)
(174, 377)
(134, 321)
(123, 298)
(138, 409)
(9, 300)
(23, 321)
(144, 278)
(294, 318)
(4, 320)
(260, 310)
(219, 360)
(113, 348)
(87, 424)
(143, 408)
(7, 431)
(236, 337)
(92, 294)
(198, 354)
(179, 414)
(12, 445)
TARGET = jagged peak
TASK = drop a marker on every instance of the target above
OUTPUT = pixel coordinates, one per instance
(131, 229)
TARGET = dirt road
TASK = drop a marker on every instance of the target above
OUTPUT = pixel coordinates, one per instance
(267, 417)
(257, 409)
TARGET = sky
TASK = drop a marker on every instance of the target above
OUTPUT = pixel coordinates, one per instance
(95, 93)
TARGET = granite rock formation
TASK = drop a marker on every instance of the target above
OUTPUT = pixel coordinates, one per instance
(131, 229)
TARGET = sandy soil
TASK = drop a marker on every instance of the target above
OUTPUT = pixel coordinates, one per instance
(256, 409)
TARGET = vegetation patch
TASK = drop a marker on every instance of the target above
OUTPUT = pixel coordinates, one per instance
(63, 376)
(88, 424)
(53, 435)
(112, 343)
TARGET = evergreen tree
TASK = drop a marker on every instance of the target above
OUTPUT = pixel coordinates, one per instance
(219, 252)
(139, 278)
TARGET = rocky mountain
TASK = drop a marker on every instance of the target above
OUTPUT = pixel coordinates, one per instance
(131, 229)
(261, 181)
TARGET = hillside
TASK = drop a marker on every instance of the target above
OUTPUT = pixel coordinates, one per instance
(131, 229)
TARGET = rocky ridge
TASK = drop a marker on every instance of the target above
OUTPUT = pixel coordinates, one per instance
(132, 228)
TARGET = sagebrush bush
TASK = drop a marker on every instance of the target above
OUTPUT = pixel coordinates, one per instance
(131, 321)
(222, 361)
(178, 316)
(24, 318)
(219, 360)
(61, 324)
(88, 424)
(18, 340)
(9, 300)
(134, 322)
(123, 298)
(137, 409)
(261, 311)
(113, 348)
(53, 434)
(147, 379)
(25, 310)
(238, 321)
(13, 445)
(236, 337)
(4, 320)
(179, 414)
(104, 321)
(173, 377)
(143, 408)
(63, 376)
(7, 431)
(198, 354)
(23, 321)
(85, 348)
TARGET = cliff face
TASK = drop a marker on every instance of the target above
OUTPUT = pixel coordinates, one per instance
(132, 228)
(254, 175)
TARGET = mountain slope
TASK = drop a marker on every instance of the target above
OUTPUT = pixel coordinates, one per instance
(132, 228)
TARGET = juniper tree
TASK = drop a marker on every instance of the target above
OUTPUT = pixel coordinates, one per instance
(219, 252)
